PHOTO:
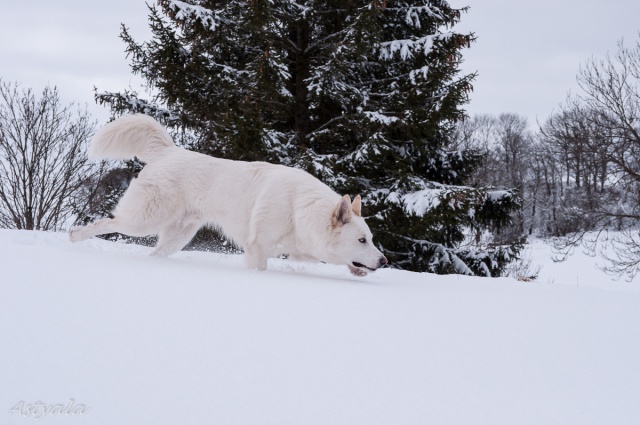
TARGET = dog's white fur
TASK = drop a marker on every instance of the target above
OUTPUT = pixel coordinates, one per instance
(264, 208)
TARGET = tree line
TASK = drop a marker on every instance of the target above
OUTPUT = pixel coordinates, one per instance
(579, 172)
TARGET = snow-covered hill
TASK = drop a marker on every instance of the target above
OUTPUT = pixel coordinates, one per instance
(198, 339)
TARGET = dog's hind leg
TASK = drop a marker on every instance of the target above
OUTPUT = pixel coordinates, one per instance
(174, 237)
(108, 225)
(139, 213)
(81, 233)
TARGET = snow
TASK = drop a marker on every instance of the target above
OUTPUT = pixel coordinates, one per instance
(185, 11)
(197, 338)
(497, 195)
(407, 47)
(376, 116)
(423, 72)
(418, 202)
(580, 269)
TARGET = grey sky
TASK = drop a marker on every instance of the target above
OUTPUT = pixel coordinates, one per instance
(72, 44)
(527, 53)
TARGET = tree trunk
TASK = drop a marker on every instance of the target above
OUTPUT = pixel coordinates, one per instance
(301, 93)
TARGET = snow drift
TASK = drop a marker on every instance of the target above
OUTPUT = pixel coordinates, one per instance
(197, 338)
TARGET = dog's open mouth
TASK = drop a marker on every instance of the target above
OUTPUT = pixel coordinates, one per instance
(362, 266)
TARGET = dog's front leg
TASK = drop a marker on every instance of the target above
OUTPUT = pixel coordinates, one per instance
(255, 258)
(356, 271)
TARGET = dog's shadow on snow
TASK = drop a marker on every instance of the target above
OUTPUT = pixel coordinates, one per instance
(319, 272)
(286, 269)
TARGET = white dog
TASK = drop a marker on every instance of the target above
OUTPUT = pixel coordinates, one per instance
(265, 209)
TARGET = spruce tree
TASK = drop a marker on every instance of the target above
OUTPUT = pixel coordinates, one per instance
(362, 94)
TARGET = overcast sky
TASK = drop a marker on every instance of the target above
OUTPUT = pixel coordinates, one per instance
(527, 54)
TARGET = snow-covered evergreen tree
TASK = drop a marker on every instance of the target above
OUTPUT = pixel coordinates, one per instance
(362, 94)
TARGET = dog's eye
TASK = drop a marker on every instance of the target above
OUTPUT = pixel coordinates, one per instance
(362, 240)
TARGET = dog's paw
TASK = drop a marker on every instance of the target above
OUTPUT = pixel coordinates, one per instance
(357, 271)
(75, 234)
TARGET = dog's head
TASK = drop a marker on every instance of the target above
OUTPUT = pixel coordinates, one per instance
(351, 240)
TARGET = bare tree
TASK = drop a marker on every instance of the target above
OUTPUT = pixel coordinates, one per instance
(42, 158)
(603, 156)
(513, 146)
(506, 144)
(612, 90)
(474, 133)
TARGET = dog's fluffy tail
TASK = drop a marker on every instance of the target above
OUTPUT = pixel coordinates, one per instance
(133, 135)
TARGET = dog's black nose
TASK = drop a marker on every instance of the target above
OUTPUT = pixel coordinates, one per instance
(383, 261)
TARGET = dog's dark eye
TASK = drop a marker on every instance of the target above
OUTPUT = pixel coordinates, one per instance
(362, 240)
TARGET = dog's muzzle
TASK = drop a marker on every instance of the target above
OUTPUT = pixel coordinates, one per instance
(382, 262)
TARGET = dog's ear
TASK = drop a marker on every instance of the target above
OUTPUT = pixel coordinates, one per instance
(342, 213)
(356, 206)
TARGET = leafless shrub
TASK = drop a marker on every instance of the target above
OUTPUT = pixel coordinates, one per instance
(42, 158)
(523, 269)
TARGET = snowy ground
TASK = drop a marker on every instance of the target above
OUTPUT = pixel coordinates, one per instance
(579, 269)
(197, 339)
